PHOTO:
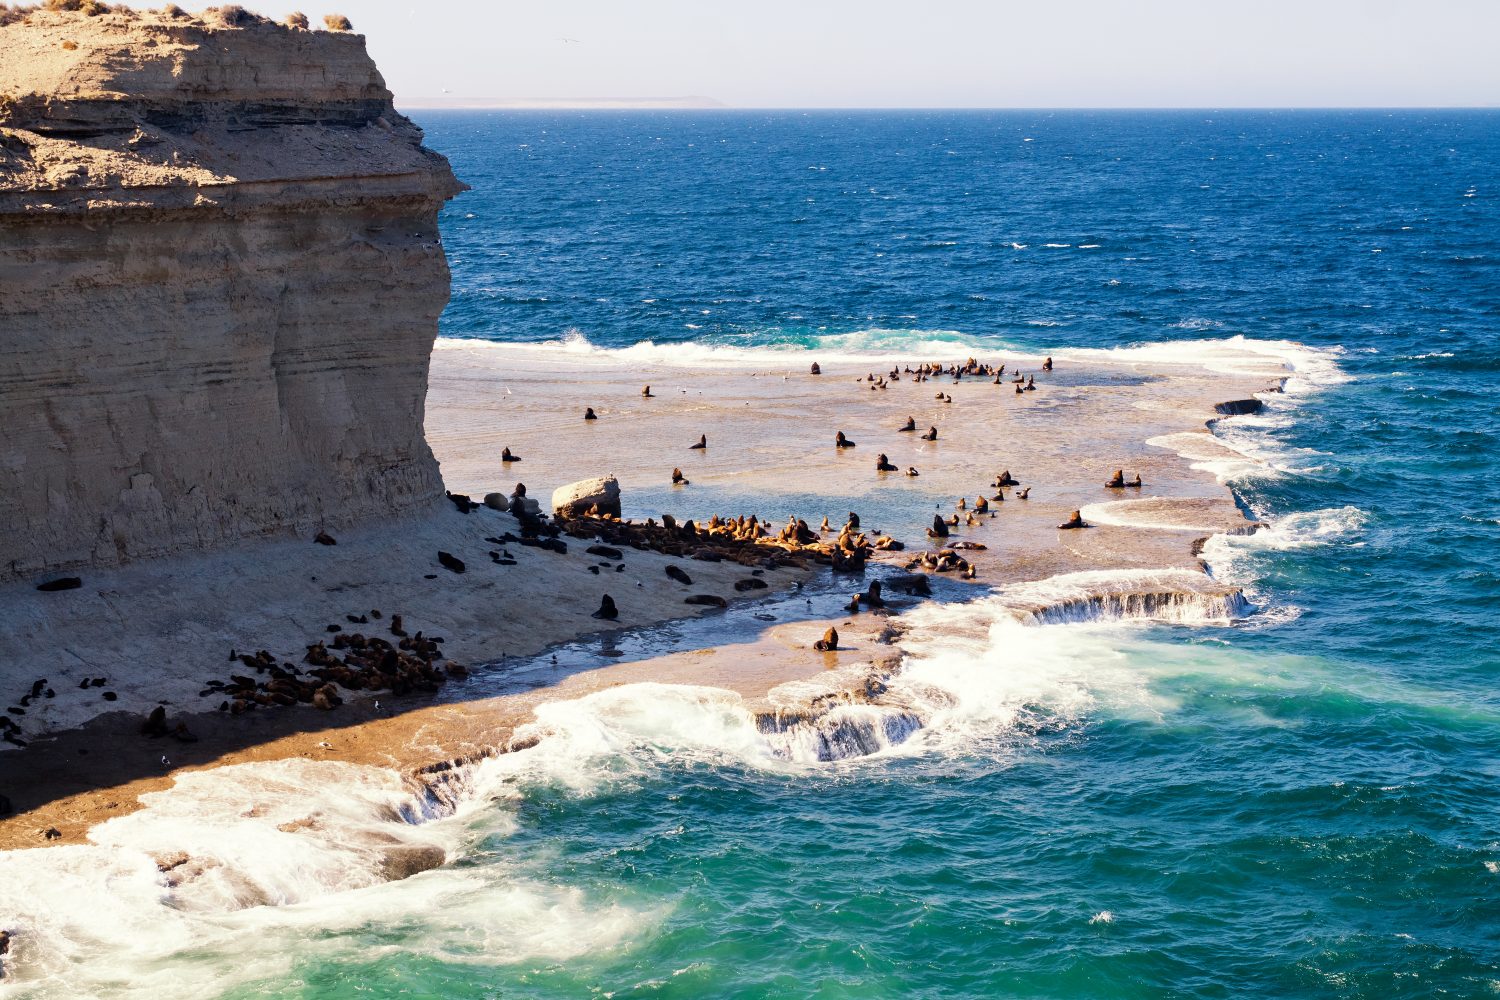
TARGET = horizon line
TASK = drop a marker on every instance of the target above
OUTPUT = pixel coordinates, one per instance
(625, 106)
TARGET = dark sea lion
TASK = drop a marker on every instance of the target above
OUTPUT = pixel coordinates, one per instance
(1019, 389)
(883, 464)
(451, 562)
(506, 456)
(607, 609)
(931, 434)
(324, 538)
(911, 424)
(680, 575)
(871, 596)
(702, 442)
(1005, 479)
(829, 642)
(155, 723)
(939, 529)
(1117, 481)
(853, 606)
(1023, 494)
(842, 442)
(911, 470)
(678, 479)
(1047, 365)
(60, 583)
(853, 523)
(815, 370)
(589, 414)
(1076, 521)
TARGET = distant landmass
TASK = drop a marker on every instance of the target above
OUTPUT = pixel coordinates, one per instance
(544, 103)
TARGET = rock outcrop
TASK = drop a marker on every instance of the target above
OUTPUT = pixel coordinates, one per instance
(600, 495)
(221, 276)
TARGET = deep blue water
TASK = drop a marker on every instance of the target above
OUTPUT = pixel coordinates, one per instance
(1306, 804)
(1312, 806)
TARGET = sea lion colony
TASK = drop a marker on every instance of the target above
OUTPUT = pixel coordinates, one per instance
(356, 661)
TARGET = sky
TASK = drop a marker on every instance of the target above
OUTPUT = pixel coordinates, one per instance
(933, 53)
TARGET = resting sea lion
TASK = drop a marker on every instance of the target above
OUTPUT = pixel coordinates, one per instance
(939, 529)
(677, 478)
(911, 470)
(829, 642)
(1047, 365)
(931, 434)
(1076, 521)
(702, 442)
(1023, 494)
(883, 464)
(506, 456)
(588, 414)
(1136, 482)
(911, 424)
(607, 609)
(842, 442)
(1117, 481)
(646, 392)
(815, 370)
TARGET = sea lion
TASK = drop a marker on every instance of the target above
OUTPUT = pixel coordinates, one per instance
(963, 503)
(1006, 479)
(999, 495)
(451, 562)
(840, 441)
(1023, 494)
(981, 505)
(324, 538)
(931, 434)
(677, 478)
(825, 526)
(939, 529)
(506, 456)
(829, 642)
(883, 464)
(588, 414)
(680, 575)
(1117, 481)
(1047, 365)
(607, 609)
(911, 425)
(1031, 384)
(853, 522)
(702, 442)
(1076, 521)
(815, 370)
(911, 470)
(871, 596)
(60, 583)
(853, 606)
(156, 723)
(646, 392)
(1136, 482)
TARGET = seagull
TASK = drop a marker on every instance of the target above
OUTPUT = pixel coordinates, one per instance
(165, 762)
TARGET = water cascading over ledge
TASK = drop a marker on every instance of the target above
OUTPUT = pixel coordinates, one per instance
(221, 277)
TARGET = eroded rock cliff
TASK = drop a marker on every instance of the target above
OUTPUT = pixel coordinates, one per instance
(220, 279)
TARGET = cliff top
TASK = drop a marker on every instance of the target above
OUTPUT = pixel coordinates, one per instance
(95, 104)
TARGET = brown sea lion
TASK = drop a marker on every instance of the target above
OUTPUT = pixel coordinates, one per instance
(840, 441)
(1117, 481)
(1136, 482)
(883, 464)
(1006, 479)
(1047, 365)
(677, 478)
(1023, 494)
(646, 392)
(1076, 521)
(931, 434)
(829, 642)
(911, 470)
(981, 505)
(911, 425)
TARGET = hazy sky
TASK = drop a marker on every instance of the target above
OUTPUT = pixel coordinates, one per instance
(936, 53)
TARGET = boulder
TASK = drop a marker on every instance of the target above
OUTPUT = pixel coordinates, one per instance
(575, 499)
(497, 501)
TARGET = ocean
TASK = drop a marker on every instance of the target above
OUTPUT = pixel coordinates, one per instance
(1303, 803)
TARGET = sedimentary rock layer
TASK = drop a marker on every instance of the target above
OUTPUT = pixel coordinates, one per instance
(221, 278)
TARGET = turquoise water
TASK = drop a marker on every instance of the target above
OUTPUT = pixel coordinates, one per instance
(1302, 804)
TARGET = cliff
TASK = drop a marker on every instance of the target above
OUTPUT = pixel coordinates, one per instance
(220, 279)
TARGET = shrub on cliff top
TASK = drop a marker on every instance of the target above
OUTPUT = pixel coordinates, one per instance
(235, 16)
(337, 22)
(173, 11)
(93, 8)
(296, 19)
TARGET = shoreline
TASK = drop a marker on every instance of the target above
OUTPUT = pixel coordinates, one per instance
(429, 732)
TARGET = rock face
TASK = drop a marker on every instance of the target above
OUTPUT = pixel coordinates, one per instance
(575, 499)
(221, 279)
